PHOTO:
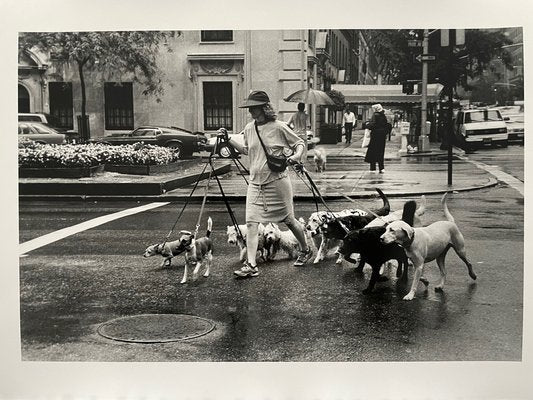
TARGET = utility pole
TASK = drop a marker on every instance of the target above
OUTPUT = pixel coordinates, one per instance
(450, 112)
(423, 141)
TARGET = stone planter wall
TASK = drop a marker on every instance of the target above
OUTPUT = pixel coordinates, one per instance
(71, 172)
(144, 169)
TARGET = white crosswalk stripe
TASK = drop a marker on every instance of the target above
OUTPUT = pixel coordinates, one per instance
(72, 230)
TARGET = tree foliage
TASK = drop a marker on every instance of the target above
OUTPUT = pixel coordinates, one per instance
(126, 52)
(338, 99)
(397, 64)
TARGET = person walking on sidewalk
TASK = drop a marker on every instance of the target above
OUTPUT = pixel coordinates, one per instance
(269, 197)
(379, 129)
(348, 123)
(299, 122)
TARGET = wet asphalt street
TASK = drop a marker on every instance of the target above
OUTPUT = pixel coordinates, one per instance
(314, 313)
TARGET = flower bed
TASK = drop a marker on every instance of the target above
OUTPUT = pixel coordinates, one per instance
(53, 157)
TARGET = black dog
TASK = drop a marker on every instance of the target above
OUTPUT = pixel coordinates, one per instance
(367, 243)
(333, 229)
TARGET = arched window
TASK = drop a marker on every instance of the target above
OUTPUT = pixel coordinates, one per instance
(24, 100)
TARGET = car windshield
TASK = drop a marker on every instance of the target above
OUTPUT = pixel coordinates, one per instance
(40, 128)
(482, 116)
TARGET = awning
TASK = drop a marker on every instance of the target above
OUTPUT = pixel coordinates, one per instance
(385, 94)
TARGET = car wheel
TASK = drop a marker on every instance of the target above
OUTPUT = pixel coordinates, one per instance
(177, 147)
(505, 143)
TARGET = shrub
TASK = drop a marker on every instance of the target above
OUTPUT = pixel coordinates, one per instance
(33, 155)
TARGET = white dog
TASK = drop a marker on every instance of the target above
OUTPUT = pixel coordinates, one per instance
(276, 239)
(234, 240)
(324, 245)
(426, 244)
(320, 159)
(196, 251)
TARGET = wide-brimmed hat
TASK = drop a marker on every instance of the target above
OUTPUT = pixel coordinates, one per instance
(256, 98)
(377, 108)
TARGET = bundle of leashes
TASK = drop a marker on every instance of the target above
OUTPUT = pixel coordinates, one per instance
(300, 170)
(206, 191)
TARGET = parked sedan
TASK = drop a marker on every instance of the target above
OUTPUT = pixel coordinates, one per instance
(224, 151)
(514, 118)
(182, 141)
(40, 133)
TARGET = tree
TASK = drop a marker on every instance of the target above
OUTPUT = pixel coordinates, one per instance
(338, 99)
(396, 59)
(127, 52)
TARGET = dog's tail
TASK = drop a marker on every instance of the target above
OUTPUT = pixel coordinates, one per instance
(449, 216)
(409, 209)
(386, 206)
(209, 226)
(422, 209)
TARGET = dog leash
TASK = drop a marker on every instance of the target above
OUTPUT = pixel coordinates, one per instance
(203, 203)
(298, 167)
(185, 205)
(226, 202)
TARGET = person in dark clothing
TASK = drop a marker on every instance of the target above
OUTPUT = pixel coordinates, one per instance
(379, 130)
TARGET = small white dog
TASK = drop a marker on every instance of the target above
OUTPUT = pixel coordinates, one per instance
(196, 251)
(234, 240)
(276, 239)
(320, 159)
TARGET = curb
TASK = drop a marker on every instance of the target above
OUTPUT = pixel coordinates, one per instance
(50, 190)
(198, 198)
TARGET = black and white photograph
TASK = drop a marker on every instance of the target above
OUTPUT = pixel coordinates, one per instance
(331, 207)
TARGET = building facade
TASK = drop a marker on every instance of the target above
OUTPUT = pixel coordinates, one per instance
(206, 77)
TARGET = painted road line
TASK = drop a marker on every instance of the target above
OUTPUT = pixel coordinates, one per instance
(516, 184)
(72, 230)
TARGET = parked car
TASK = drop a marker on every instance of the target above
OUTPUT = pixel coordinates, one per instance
(224, 151)
(52, 122)
(184, 142)
(40, 133)
(514, 118)
(479, 127)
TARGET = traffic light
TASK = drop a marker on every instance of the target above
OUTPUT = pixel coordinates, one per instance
(408, 87)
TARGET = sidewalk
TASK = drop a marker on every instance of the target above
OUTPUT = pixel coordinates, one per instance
(347, 175)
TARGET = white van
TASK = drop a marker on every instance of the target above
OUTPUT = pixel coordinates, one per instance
(482, 126)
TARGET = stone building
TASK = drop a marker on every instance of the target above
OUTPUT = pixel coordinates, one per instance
(206, 77)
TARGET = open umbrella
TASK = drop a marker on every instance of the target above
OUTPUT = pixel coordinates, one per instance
(310, 96)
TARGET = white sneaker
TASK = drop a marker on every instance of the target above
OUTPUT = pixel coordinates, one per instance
(382, 170)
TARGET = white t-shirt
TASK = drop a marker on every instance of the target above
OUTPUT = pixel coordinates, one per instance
(277, 137)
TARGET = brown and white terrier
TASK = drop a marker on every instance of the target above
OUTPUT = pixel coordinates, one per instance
(196, 251)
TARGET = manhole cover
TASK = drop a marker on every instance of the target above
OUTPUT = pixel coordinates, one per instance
(156, 328)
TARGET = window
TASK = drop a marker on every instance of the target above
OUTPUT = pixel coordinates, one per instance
(61, 108)
(218, 105)
(217, 36)
(118, 99)
(24, 100)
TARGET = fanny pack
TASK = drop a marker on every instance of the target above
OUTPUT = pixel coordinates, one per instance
(275, 163)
